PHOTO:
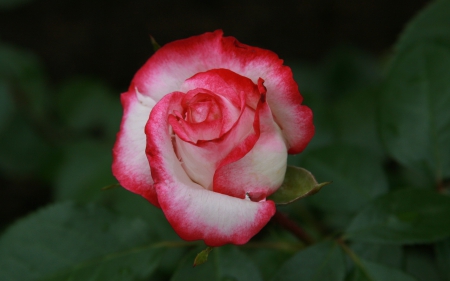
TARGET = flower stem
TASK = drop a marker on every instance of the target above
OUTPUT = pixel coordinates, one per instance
(291, 226)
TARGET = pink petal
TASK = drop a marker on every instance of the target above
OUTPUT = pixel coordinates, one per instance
(202, 159)
(221, 120)
(175, 62)
(227, 84)
(193, 132)
(261, 171)
(194, 212)
(283, 95)
(130, 164)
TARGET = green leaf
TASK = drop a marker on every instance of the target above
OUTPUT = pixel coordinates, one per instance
(357, 177)
(442, 250)
(67, 242)
(354, 117)
(202, 257)
(414, 115)
(370, 271)
(388, 255)
(269, 260)
(298, 183)
(405, 216)
(225, 263)
(432, 24)
(324, 261)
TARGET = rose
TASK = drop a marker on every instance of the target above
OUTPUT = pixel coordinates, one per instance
(207, 126)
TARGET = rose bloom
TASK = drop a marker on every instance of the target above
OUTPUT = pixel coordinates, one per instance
(207, 126)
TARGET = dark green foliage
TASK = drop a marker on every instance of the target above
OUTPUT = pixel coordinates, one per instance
(382, 139)
(324, 261)
(406, 216)
(224, 263)
(67, 242)
(414, 115)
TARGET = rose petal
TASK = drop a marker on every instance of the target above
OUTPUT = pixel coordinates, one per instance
(194, 212)
(227, 84)
(193, 132)
(171, 65)
(261, 171)
(206, 130)
(202, 159)
(130, 164)
(283, 96)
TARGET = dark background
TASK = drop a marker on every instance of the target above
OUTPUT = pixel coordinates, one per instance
(110, 40)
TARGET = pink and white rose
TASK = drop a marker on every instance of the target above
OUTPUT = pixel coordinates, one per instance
(207, 126)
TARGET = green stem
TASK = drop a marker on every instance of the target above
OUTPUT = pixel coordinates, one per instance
(354, 257)
(291, 226)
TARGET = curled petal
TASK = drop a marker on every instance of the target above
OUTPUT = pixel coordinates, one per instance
(217, 112)
(194, 212)
(202, 159)
(261, 171)
(227, 84)
(130, 164)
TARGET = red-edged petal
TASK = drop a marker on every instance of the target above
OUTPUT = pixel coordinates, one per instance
(194, 212)
(225, 83)
(202, 159)
(283, 95)
(261, 171)
(193, 132)
(175, 62)
(130, 164)
(221, 115)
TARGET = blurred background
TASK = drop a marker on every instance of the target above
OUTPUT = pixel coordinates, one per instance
(63, 65)
(111, 40)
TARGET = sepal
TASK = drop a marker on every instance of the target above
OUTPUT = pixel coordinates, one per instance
(298, 183)
(202, 257)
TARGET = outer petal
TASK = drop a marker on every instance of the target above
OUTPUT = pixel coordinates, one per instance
(283, 95)
(261, 171)
(166, 70)
(194, 212)
(130, 164)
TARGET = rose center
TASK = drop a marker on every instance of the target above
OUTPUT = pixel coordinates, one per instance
(202, 108)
